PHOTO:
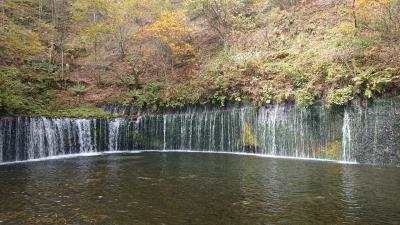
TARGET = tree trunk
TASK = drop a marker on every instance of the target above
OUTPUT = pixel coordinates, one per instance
(172, 65)
(62, 37)
(62, 60)
(121, 49)
(54, 12)
(50, 57)
(354, 12)
(95, 63)
(40, 9)
(121, 43)
(3, 13)
(136, 77)
(95, 50)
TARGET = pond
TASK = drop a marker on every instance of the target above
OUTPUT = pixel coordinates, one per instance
(196, 188)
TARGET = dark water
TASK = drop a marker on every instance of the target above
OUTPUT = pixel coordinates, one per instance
(197, 188)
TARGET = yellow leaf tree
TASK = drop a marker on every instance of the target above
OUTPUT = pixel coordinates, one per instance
(172, 34)
(123, 19)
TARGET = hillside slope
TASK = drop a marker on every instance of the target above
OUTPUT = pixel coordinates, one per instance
(63, 58)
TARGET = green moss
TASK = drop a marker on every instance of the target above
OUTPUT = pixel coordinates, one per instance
(249, 137)
(81, 112)
(333, 151)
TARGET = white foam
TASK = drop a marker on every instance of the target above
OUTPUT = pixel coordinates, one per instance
(254, 154)
(171, 151)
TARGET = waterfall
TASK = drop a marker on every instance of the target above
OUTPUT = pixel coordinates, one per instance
(373, 131)
(346, 139)
(85, 136)
(1, 141)
(114, 127)
(25, 138)
(280, 130)
(164, 132)
(356, 133)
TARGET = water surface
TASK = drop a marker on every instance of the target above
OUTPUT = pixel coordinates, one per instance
(197, 188)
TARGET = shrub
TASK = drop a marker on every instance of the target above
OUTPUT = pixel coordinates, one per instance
(361, 42)
(304, 98)
(78, 89)
(149, 96)
(42, 66)
(296, 76)
(126, 80)
(179, 95)
(369, 81)
(80, 112)
(265, 96)
(340, 96)
(284, 4)
(14, 95)
(137, 98)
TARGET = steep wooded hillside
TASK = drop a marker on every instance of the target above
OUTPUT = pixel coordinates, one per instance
(64, 58)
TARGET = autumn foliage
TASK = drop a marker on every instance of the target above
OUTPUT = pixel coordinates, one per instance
(173, 34)
(152, 53)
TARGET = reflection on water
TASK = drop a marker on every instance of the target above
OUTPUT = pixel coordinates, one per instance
(194, 188)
